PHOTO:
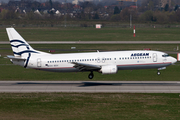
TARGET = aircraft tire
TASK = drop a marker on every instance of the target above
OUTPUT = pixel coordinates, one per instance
(91, 75)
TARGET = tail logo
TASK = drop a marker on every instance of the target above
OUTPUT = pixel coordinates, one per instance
(22, 44)
(27, 50)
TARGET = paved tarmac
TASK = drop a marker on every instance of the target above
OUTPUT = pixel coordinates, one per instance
(98, 42)
(91, 86)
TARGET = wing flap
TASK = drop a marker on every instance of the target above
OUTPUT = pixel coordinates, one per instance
(84, 67)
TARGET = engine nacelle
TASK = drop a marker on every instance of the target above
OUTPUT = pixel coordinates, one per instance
(109, 69)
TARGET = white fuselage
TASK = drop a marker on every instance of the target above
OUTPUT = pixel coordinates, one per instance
(122, 59)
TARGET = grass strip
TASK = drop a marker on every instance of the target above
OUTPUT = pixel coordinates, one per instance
(89, 106)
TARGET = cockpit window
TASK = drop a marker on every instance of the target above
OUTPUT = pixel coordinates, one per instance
(165, 55)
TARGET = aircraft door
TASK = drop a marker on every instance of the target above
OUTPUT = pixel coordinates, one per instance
(39, 62)
(154, 57)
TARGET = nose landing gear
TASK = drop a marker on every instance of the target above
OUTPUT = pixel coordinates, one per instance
(163, 68)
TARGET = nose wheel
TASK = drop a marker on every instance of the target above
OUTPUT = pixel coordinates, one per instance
(91, 75)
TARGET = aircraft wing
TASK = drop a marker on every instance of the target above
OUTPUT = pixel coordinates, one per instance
(86, 67)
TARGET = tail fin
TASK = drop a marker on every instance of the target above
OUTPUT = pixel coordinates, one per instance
(19, 46)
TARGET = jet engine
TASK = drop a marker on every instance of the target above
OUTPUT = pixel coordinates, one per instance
(109, 69)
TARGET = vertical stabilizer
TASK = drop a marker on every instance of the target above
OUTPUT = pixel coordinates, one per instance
(19, 46)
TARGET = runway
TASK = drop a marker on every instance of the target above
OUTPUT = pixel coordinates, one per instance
(90, 86)
(98, 42)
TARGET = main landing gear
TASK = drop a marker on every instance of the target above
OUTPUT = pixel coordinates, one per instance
(91, 75)
(158, 73)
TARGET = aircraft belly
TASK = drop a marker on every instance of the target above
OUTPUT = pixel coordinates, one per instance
(142, 66)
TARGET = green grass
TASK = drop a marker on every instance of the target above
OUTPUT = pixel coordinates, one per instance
(92, 34)
(83, 106)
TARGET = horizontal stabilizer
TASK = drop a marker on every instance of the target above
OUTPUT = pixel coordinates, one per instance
(16, 58)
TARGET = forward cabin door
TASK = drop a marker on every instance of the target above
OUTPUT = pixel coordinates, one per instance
(154, 57)
(39, 62)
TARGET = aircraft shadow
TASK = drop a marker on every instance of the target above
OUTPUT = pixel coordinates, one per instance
(88, 84)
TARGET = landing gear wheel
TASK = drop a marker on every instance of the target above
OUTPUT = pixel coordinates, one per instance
(91, 75)
(158, 73)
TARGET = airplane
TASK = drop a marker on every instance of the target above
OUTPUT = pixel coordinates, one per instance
(102, 62)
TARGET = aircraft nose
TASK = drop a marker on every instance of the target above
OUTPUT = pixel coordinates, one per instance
(174, 60)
